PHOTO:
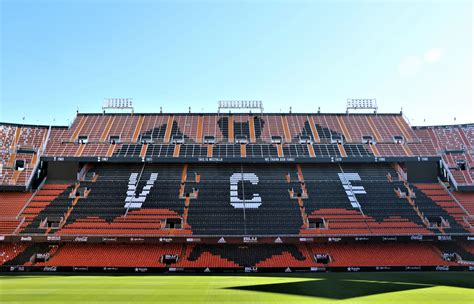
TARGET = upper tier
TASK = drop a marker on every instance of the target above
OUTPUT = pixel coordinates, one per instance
(282, 136)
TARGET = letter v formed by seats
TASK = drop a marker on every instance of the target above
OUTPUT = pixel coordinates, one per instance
(132, 201)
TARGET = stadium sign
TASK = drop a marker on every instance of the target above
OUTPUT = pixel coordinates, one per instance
(250, 239)
(444, 238)
(442, 268)
(50, 269)
(141, 269)
(53, 238)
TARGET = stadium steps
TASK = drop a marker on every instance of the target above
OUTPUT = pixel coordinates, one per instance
(314, 131)
(41, 201)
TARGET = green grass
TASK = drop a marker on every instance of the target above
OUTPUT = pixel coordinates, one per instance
(445, 288)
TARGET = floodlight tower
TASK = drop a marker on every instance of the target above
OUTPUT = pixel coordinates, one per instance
(117, 104)
(240, 104)
(361, 104)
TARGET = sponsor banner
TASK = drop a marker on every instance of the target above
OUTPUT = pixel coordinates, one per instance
(53, 238)
(58, 269)
(50, 269)
(193, 240)
(444, 238)
(250, 239)
(81, 239)
(442, 268)
(141, 269)
(278, 240)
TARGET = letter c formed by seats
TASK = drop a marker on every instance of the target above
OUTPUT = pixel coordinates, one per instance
(235, 201)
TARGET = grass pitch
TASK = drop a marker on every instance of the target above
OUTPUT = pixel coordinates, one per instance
(279, 288)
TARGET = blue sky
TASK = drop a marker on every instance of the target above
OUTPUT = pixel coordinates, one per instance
(57, 56)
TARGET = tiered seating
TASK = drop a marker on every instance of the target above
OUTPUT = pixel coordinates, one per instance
(242, 199)
(454, 143)
(434, 202)
(41, 200)
(467, 200)
(246, 256)
(258, 129)
(464, 253)
(204, 259)
(105, 211)
(9, 251)
(58, 144)
(210, 127)
(237, 256)
(112, 255)
(11, 203)
(212, 212)
(358, 126)
(19, 143)
(388, 254)
(380, 212)
(7, 138)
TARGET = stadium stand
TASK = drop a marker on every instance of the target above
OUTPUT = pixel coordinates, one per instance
(454, 144)
(236, 191)
(467, 200)
(20, 149)
(11, 204)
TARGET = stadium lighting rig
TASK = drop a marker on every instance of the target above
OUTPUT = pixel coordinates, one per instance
(240, 104)
(117, 104)
(361, 104)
